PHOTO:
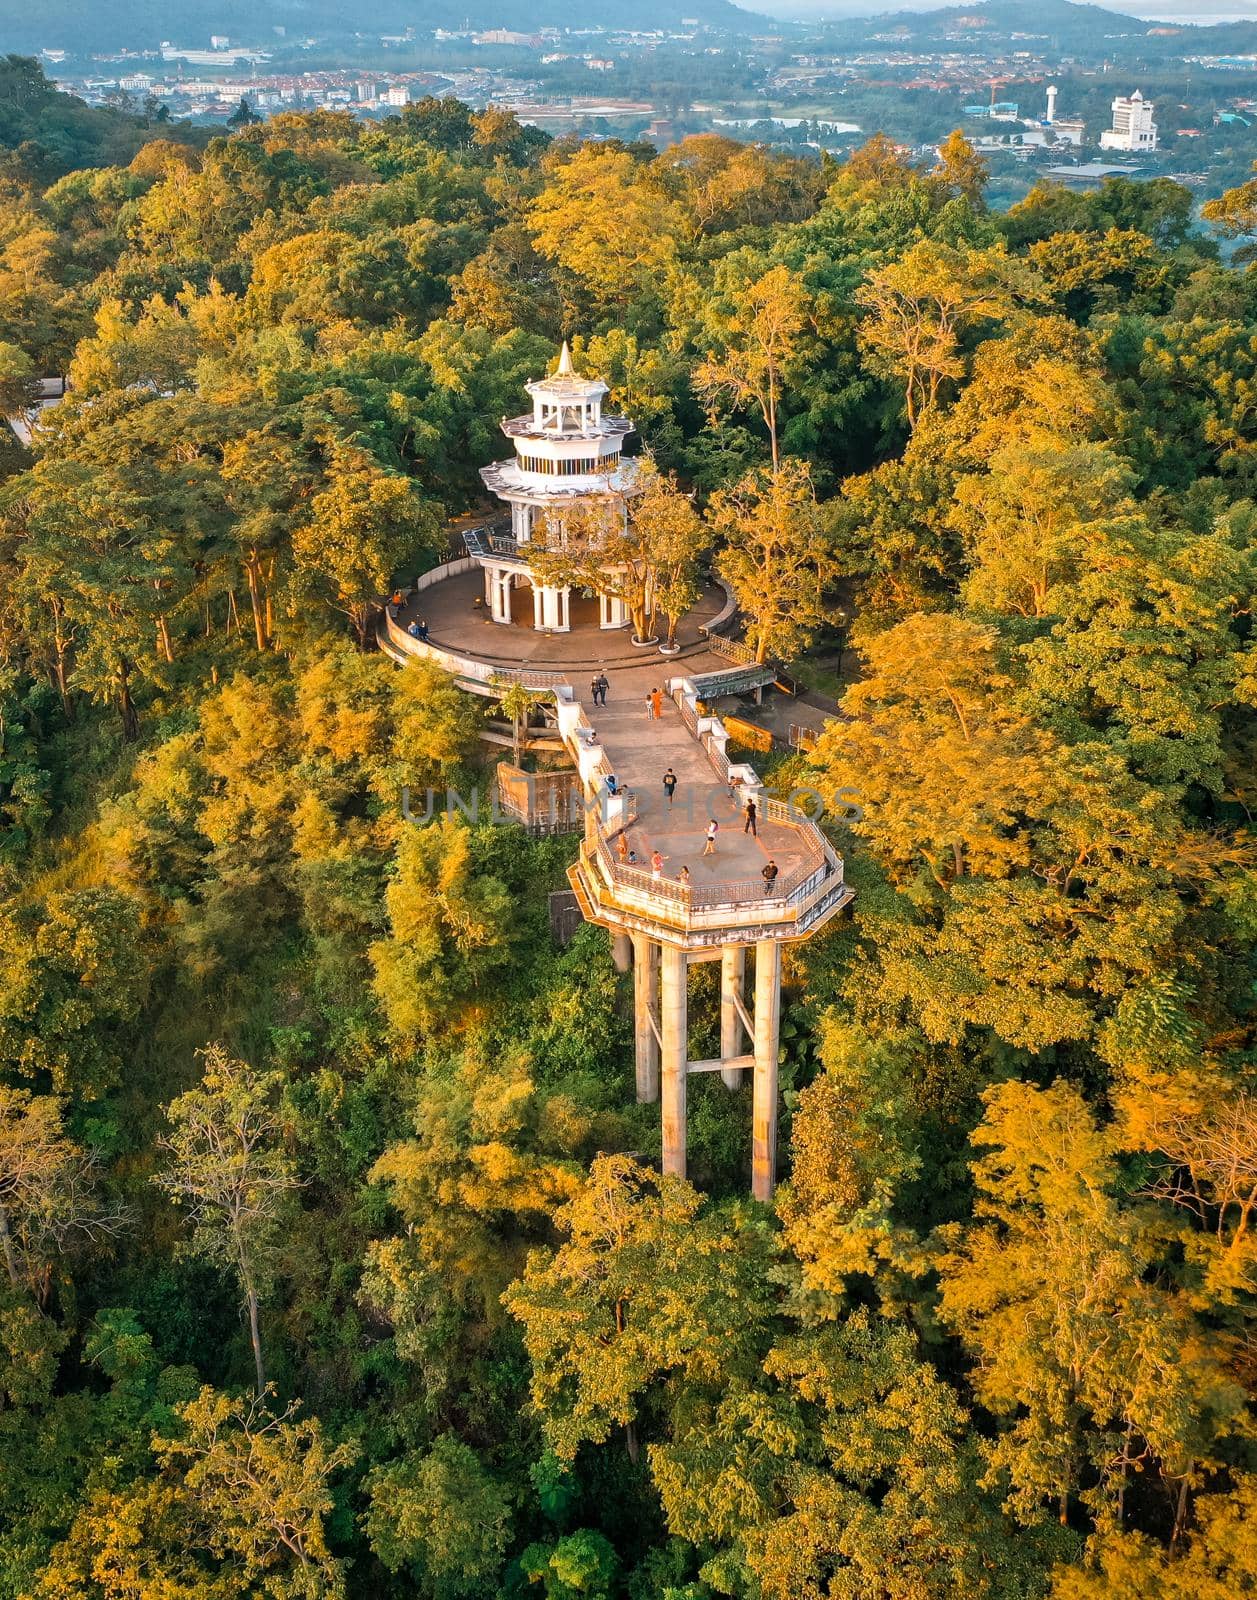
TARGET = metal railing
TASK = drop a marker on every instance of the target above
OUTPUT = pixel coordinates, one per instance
(717, 756)
(485, 542)
(732, 649)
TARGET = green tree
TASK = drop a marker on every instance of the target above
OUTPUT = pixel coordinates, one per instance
(48, 1188)
(922, 307)
(759, 348)
(364, 525)
(441, 1516)
(73, 974)
(776, 558)
(648, 1292)
(451, 928)
(259, 1488)
(228, 1167)
(1097, 1371)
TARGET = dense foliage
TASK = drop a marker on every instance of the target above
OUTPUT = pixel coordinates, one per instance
(334, 1256)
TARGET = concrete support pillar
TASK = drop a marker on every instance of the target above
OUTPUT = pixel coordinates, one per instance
(673, 1022)
(488, 587)
(645, 1004)
(767, 1036)
(565, 610)
(621, 952)
(732, 973)
(506, 584)
(536, 608)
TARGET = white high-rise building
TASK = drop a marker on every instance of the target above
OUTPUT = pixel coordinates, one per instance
(1133, 128)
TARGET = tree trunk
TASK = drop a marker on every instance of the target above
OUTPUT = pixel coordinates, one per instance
(126, 706)
(1180, 1513)
(60, 668)
(6, 1240)
(255, 1337)
(260, 629)
(163, 635)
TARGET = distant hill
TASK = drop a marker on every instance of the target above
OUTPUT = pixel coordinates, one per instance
(1062, 19)
(93, 25)
(1087, 31)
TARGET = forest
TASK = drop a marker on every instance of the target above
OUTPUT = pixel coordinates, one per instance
(336, 1256)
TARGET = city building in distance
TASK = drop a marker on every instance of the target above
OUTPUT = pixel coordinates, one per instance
(1133, 128)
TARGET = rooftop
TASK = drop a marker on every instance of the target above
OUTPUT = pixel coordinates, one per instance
(565, 383)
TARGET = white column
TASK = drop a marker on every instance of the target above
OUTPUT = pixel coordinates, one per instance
(732, 973)
(536, 607)
(565, 611)
(767, 1036)
(507, 582)
(673, 1021)
(645, 1000)
(604, 611)
(488, 588)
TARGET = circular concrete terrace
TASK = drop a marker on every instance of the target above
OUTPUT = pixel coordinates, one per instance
(460, 628)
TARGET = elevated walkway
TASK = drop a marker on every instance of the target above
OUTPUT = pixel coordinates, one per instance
(662, 919)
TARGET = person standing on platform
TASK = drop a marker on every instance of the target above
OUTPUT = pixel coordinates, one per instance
(669, 784)
(656, 703)
(769, 874)
(603, 686)
(713, 827)
(751, 824)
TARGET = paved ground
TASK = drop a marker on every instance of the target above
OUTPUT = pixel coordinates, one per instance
(640, 750)
(455, 621)
(639, 747)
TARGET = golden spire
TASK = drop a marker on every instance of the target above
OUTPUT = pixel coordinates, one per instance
(565, 362)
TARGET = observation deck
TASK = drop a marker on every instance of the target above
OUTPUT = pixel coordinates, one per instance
(726, 899)
(663, 920)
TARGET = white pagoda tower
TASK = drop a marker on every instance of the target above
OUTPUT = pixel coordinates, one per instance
(566, 450)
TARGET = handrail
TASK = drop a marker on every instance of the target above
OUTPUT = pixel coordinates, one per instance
(465, 666)
(484, 542)
(793, 887)
(733, 650)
